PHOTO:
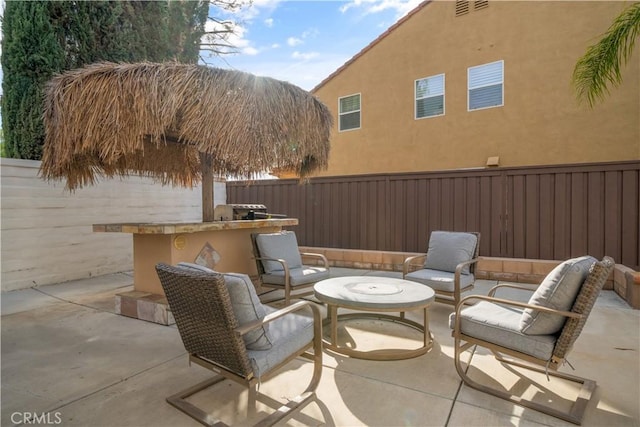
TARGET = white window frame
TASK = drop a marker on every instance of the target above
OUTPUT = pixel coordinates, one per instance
(488, 85)
(416, 99)
(350, 112)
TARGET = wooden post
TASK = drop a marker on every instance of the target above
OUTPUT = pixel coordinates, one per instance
(206, 165)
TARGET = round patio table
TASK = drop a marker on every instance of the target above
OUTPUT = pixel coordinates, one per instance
(375, 296)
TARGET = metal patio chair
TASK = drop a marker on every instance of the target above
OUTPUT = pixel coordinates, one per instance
(449, 265)
(226, 329)
(536, 334)
(279, 264)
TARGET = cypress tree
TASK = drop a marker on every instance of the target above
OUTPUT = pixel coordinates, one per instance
(42, 38)
(31, 54)
(145, 30)
(91, 31)
(187, 23)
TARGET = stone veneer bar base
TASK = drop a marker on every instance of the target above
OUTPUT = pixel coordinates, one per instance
(150, 307)
(144, 306)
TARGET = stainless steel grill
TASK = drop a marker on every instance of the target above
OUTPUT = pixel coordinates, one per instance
(244, 211)
(247, 211)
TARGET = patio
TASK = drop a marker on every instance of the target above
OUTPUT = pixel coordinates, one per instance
(67, 355)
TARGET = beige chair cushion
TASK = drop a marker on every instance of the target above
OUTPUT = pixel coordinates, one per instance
(558, 291)
(282, 245)
(289, 334)
(447, 249)
(440, 280)
(499, 325)
(297, 276)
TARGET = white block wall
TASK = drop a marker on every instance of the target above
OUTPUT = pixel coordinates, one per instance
(46, 231)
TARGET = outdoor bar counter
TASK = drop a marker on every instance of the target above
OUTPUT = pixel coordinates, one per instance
(172, 243)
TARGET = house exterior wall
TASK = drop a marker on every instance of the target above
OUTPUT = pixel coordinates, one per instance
(541, 122)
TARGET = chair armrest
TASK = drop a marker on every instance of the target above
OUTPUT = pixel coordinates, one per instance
(492, 291)
(248, 327)
(409, 262)
(464, 301)
(281, 261)
(323, 258)
(462, 265)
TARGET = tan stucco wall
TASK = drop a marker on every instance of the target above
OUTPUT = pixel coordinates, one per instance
(540, 122)
(233, 246)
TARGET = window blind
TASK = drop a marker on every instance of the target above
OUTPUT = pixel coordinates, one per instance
(349, 112)
(429, 96)
(485, 84)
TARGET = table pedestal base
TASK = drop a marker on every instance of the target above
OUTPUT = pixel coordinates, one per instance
(331, 344)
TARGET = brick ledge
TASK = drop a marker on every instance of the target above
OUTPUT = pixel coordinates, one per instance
(624, 281)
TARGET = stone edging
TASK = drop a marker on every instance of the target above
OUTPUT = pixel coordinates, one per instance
(624, 281)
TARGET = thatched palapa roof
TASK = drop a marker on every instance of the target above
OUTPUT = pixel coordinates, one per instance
(111, 119)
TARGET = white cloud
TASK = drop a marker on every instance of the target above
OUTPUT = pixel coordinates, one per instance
(305, 74)
(240, 21)
(304, 56)
(237, 39)
(250, 51)
(350, 5)
(265, 4)
(307, 34)
(294, 41)
(302, 68)
(252, 9)
(401, 7)
(310, 33)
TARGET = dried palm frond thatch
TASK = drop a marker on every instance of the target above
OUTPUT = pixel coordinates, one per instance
(164, 120)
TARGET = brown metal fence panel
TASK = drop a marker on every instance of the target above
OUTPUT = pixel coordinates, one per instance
(456, 201)
(553, 212)
(558, 213)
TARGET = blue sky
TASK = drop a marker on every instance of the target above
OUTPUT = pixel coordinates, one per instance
(302, 42)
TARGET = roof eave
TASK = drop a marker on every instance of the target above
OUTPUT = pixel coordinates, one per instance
(372, 44)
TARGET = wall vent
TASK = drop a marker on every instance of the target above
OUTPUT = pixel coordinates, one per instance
(462, 7)
(480, 4)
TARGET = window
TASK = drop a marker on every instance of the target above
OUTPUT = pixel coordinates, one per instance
(485, 84)
(430, 96)
(349, 112)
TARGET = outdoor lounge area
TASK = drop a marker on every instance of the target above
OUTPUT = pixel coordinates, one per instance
(68, 359)
(147, 275)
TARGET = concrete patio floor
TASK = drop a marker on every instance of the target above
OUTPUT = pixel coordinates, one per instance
(69, 359)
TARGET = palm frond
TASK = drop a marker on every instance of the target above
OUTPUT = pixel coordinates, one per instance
(602, 63)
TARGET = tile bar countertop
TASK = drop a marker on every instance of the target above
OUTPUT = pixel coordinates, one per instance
(191, 227)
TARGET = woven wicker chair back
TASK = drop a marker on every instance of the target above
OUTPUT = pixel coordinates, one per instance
(583, 304)
(201, 306)
(256, 254)
(472, 267)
